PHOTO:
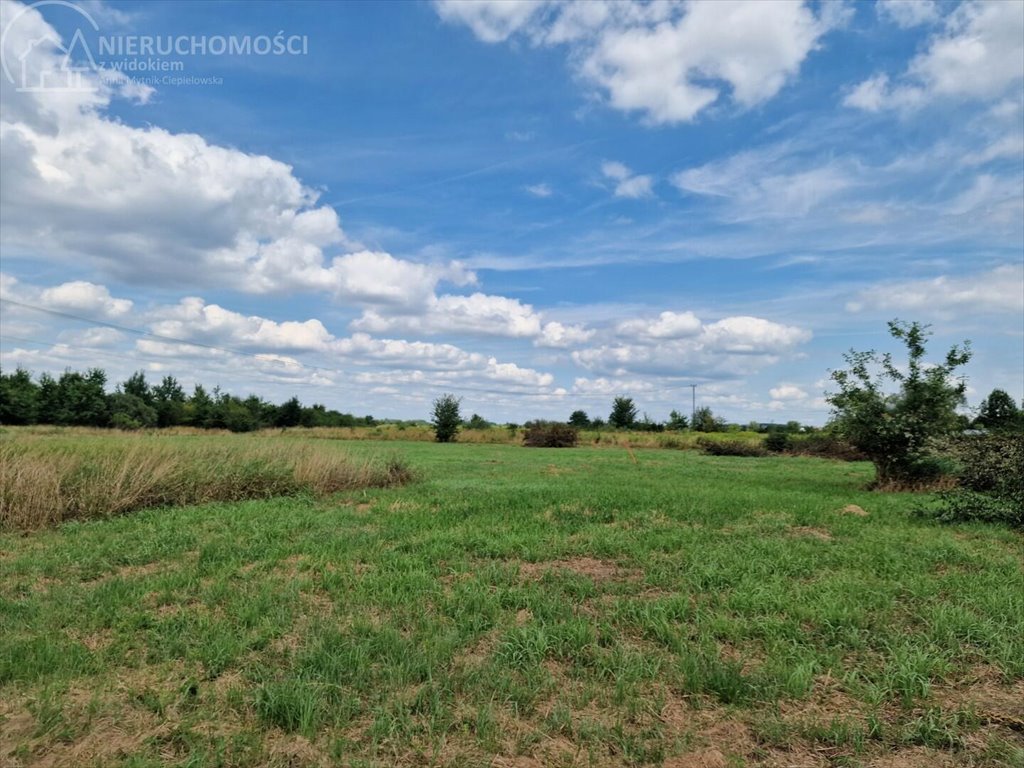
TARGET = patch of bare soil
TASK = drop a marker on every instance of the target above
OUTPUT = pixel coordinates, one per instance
(106, 726)
(983, 691)
(915, 757)
(810, 532)
(554, 469)
(853, 509)
(293, 751)
(592, 568)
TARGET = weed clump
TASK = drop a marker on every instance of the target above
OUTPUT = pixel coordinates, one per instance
(731, 447)
(45, 483)
(550, 434)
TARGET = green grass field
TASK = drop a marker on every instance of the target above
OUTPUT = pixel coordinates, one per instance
(521, 608)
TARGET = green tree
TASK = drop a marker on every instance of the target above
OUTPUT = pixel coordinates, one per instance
(447, 419)
(476, 421)
(131, 412)
(579, 419)
(169, 402)
(290, 413)
(138, 386)
(999, 413)
(677, 422)
(199, 410)
(895, 429)
(704, 420)
(623, 415)
(19, 398)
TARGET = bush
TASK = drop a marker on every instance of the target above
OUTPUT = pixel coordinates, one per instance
(731, 447)
(989, 470)
(824, 445)
(777, 441)
(897, 430)
(550, 434)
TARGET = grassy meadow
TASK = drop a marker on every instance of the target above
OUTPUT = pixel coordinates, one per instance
(515, 608)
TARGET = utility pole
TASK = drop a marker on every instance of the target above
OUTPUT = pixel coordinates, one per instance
(693, 406)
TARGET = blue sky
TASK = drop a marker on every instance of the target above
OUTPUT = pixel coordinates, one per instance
(537, 206)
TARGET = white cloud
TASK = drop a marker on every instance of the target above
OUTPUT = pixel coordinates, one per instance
(787, 392)
(998, 290)
(150, 206)
(556, 334)
(665, 60)
(977, 56)
(668, 325)
(75, 297)
(540, 190)
(82, 296)
(770, 182)
(478, 314)
(492, 21)
(195, 320)
(627, 184)
(731, 347)
(908, 13)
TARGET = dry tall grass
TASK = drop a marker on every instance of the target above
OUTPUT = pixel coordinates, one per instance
(44, 481)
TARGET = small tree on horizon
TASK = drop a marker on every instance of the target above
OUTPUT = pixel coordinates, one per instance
(579, 419)
(623, 415)
(999, 412)
(677, 422)
(704, 420)
(447, 418)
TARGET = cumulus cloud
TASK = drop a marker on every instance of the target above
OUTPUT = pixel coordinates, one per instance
(727, 348)
(478, 314)
(627, 184)
(76, 296)
(150, 206)
(194, 319)
(976, 56)
(82, 296)
(1000, 290)
(787, 392)
(668, 325)
(667, 60)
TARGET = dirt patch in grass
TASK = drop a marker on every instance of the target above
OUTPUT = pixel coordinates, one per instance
(810, 532)
(592, 568)
(293, 750)
(853, 509)
(984, 692)
(915, 757)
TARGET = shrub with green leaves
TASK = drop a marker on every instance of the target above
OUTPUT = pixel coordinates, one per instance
(990, 477)
(896, 430)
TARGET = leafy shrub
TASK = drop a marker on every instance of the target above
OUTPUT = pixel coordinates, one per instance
(731, 447)
(550, 434)
(990, 476)
(777, 441)
(896, 430)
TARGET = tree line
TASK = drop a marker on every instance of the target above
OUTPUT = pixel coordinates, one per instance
(81, 399)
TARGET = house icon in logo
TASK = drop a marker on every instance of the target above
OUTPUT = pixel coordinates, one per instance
(66, 77)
